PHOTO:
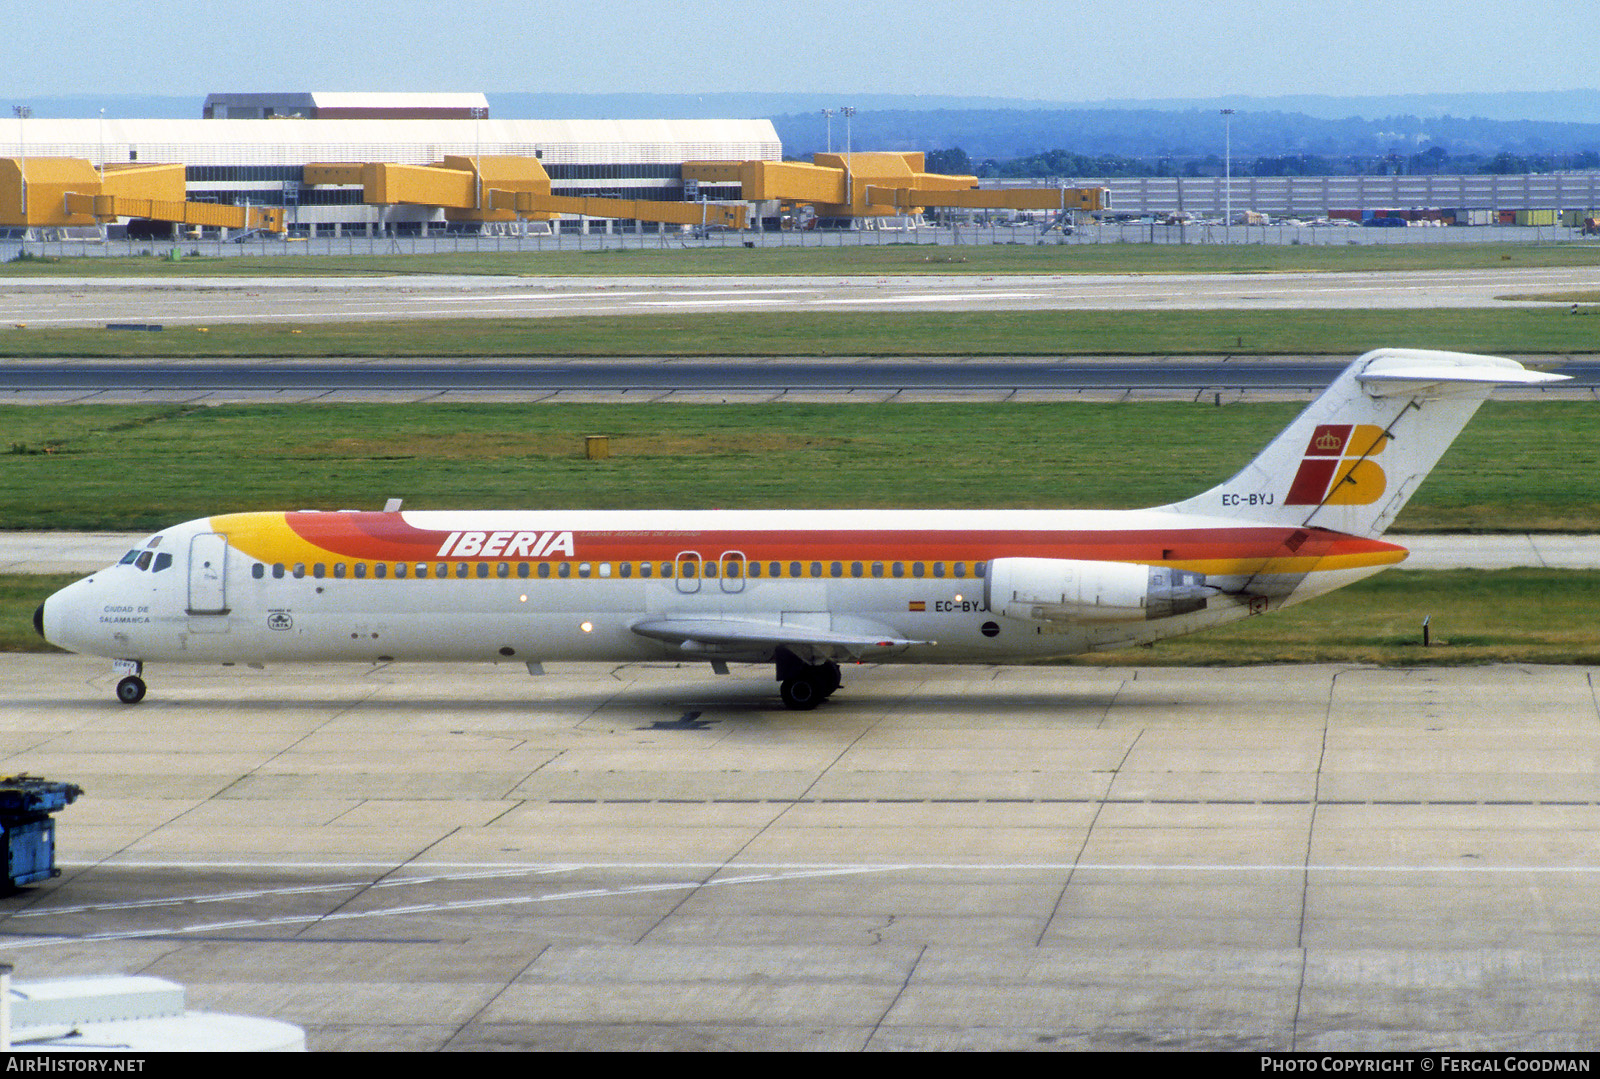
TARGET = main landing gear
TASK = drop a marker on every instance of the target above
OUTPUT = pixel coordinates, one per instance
(803, 685)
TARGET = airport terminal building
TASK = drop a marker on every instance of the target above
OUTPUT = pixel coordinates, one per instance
(252, 149)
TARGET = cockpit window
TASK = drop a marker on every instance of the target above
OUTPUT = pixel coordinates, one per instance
(143, 561)
(128, 558)
(162, 562)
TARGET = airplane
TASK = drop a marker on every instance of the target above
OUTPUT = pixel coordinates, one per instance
(803, 590)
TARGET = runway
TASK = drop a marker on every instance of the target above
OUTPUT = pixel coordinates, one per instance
(1309, 858)
(187, 301)
(702, 380)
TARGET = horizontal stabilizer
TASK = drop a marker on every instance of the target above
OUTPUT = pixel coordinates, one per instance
(1417, 373)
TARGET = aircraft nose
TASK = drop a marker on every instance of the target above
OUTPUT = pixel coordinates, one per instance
(38, 620)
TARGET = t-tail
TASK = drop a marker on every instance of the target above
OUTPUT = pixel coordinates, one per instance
(1354, 457)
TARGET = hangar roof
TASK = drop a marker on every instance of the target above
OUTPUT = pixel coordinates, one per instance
(301, 141)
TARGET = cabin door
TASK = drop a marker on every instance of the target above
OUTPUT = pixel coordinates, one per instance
(208, 574)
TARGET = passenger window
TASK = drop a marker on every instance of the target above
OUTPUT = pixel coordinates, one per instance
(502, 570)
(755, 569)
(961, 569)
(258, 571)
(399, 571)
(855, 569)
(605, 569)
(877, 569)
(775, 569)
(380, 570)
(645, 568)
(583, 569)
(483, 570)
(666, 569)
(422, 570)
(938, 569)
(687, 569)
(564, 569)
(544, 569)
(361, 571)
(319, 571)
(899, 569)
(299, 570)
(339, 570)
(277, 571)
(794, 569)
(978, 568)
(816, 569)
(522, 569)
(917, 569)
(625, 569)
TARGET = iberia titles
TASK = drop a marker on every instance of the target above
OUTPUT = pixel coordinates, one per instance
(506, 545)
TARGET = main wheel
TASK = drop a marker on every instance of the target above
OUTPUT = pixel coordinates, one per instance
(131, 689)
(799, 694)
(827, 677)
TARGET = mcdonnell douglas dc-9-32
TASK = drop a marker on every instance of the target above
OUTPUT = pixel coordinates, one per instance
(803, 590)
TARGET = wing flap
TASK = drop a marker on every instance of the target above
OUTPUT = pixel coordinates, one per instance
(749, 634)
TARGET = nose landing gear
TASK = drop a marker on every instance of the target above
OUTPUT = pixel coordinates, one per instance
(130, 690)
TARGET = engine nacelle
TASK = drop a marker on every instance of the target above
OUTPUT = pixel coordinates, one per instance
(1076, 590)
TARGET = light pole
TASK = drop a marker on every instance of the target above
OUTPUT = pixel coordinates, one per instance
(22, 112)
(1227, 174)
(849, 173)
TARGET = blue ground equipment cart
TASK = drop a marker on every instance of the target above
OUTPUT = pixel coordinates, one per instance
(29, 831)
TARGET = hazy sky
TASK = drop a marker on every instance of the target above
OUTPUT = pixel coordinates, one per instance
(1064, 51)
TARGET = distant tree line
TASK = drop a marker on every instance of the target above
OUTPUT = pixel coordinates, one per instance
(1434, 161)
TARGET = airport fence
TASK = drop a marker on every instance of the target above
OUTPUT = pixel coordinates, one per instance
(1027, 233)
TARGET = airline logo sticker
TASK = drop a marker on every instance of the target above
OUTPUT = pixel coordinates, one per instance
(506, 545)
(1339, 467)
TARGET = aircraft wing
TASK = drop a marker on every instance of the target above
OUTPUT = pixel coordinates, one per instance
(747, 635)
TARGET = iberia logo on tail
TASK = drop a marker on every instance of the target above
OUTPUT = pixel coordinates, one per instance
(1338, 468)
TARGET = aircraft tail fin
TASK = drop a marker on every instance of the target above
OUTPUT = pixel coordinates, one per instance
(1354, 457)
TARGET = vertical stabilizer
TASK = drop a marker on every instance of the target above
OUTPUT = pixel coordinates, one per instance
(1354, 457)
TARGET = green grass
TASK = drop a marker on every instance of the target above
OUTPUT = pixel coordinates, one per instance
(836, 333)
(1323, 251)
(1518, 466)
(1506, 616)
(1476, 616)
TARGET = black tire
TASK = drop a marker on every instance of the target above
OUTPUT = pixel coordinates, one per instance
(131, 689)
(828, 678)
(799, 694)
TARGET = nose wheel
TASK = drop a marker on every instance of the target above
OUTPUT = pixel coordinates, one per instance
(131, 689)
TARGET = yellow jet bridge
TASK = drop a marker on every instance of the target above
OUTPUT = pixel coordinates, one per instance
(503, 188)
(878, 185)
(57, 192)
